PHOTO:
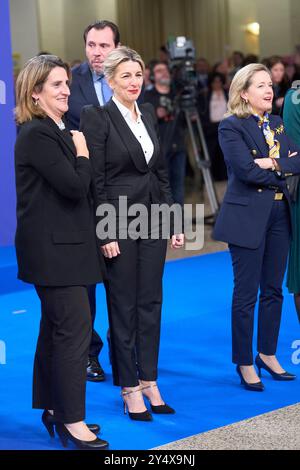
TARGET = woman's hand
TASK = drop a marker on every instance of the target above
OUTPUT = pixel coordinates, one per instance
(177, 241)
(265, 163)
(80, 144)
(111, 250)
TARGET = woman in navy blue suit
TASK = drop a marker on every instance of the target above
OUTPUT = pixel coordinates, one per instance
(255, 219)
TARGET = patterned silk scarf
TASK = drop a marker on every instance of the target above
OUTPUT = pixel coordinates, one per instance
(273, 144)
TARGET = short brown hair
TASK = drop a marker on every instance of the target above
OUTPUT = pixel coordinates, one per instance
(101, 25)
(31, 79)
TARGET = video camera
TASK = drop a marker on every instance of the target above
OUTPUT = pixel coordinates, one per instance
(182, 66)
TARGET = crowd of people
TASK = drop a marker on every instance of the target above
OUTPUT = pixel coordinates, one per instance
(212, 83)
(113, 131)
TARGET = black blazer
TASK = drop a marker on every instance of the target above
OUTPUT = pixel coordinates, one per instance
(55, 239)
(119, 164)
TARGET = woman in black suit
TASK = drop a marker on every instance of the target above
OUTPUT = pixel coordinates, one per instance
(56, 245)
(126, 159)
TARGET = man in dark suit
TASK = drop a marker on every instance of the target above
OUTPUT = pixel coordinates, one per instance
(88, 83)
(90, 87)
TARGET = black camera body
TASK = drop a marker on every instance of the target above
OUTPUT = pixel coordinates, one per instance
(182, 66)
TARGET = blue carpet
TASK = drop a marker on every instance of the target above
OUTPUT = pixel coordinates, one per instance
(196, 374)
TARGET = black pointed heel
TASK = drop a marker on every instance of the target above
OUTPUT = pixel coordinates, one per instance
(252, 387)
(162, 409)
(283, 376)
(158, 409)
(65, 436)
(142, 416)
(49, 421)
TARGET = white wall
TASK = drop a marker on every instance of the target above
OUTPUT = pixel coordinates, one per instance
(275, 18)
(24, 28)
(51, 26)
(241, 13)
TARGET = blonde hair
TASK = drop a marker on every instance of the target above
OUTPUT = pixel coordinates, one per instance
(118, 56)
(240, 83)
(31, 79)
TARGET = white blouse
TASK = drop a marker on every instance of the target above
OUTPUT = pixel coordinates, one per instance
(137, 127)
(217, 107)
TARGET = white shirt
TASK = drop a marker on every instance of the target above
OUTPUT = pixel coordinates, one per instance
(137, 127)
(217, 107)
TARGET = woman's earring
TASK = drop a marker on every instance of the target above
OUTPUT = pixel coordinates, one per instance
(35, 101)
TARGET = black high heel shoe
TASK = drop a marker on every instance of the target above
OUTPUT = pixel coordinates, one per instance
(49, 421)
(65, 436)
(252, 387)
(142, 416)
(283, 376)
(158, 409)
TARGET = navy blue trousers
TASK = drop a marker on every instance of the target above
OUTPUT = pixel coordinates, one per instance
(261, 269)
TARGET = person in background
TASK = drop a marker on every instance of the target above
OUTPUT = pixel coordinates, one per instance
(170, 126)
(212, 108)
(89, 86)
(255, 219)
(280, 82)
(250, 59)
(237, 60)
(127, 161)
(147, 78)
(223, 68)
(291, 119)
(56, 245)
(202, 73)
(163, 55)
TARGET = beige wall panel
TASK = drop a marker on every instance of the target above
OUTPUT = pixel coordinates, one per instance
(274, 17)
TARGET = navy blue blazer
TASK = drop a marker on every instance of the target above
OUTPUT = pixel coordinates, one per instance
(248, 200)
(82, 93)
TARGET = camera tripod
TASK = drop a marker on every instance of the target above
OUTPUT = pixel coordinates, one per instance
(186, 104)
(201, 156)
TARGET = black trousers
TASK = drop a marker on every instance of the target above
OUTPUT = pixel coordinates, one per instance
(96, 342)
(134, 300)
(262, 268)
(59, 380)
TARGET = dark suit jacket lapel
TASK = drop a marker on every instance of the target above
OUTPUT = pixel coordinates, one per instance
(87, 85)
(64, 137)
(256, 134)
(128, 138)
